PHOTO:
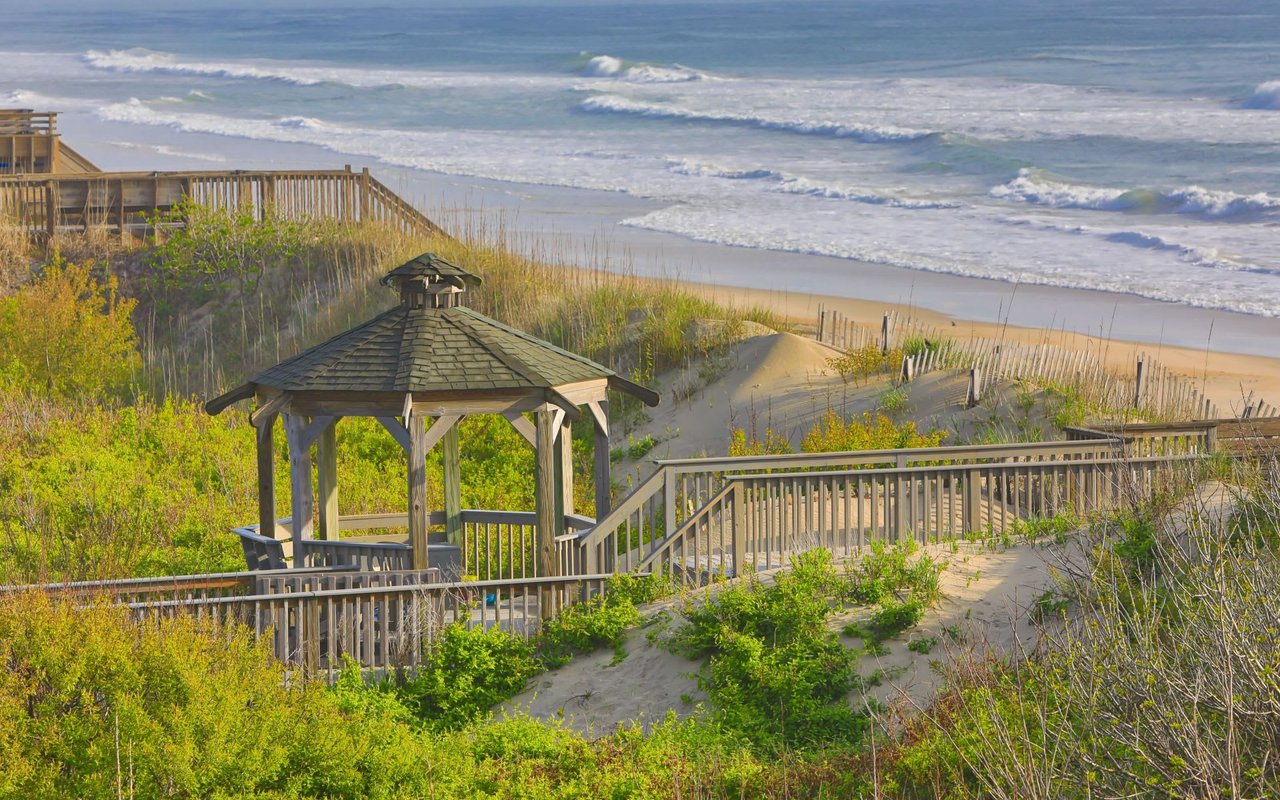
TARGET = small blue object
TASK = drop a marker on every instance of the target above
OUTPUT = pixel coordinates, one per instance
(490, 599)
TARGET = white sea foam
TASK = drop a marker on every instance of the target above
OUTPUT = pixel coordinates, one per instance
(1265, 96)
(139, 60)
(604, 66)
(805, 186)
(702, 169)
(1032, 187)
(959, 243)
(618, 104)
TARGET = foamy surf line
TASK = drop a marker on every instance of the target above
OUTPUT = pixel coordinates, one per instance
(617, 104)
(140, 60)
(1235, 292)
(1031, 187)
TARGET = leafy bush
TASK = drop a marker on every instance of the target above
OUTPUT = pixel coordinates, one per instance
(92, 705)
(903, 587)
(67, 335)
(584, 627)
(861, 363)
(866, 432)
(775, 673)
(466, 672)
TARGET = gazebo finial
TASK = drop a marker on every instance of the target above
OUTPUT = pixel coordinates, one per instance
(429, 281)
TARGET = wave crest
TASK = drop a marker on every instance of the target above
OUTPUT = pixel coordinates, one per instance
(1266, 96)
(1032, 187)
(617, 104)
(604, 66)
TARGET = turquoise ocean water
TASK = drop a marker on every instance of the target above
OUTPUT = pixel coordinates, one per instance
(1131, 147)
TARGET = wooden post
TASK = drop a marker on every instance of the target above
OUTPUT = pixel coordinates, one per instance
(603, 478)
(564, 470)
(1139, 384)
(738, 537)
(364, 195)
(51, 209)
(972, 501)
(418, 490)
(301, 498)
(822, 322)
(974, 395)
(545, 491)
(327, 467)
(450, 450)
(266, 478)
(884, 334)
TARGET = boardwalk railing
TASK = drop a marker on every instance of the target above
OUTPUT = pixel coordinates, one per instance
(491, 545)
(758, 521)
(125, 202)
(382, 628)
(179, 587)
(678, 488)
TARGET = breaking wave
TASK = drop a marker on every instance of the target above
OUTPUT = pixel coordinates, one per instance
(1032, 187)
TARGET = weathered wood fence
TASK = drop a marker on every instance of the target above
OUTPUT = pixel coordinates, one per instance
(127, 203)
(1148, 387)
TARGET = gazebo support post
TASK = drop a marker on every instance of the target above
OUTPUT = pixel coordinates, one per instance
(266, 476)
(418, 490)
(545, 491)
(564, 471)
(299, 483)
(452, 485)
(327, 469)
(602, 477)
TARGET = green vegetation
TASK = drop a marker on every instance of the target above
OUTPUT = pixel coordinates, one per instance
(861, 363)
(866, 432)
(834, 434)
(67, 335)
(1174, 649)
(775, 672)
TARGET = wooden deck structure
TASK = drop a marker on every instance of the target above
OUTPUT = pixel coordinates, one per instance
(429, 359)
(49, 188)
(696, 520)
(124, 202)
(30, 144)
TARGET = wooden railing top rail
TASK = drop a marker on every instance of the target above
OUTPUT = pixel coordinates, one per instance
(213, 580)
(907, 455)
(1001, 467)
(1249, 428)
(549, 581)
(196, 174)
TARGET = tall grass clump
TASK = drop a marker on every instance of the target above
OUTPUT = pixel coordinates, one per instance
(1164, 683)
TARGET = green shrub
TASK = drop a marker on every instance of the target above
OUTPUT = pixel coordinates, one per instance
(775, 674)
(68, 335)
(585, 627)
(466, 672)
(866, 432)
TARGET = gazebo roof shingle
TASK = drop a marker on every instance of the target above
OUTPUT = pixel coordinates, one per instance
(428, 350)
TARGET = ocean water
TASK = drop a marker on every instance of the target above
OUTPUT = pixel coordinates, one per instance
(1130, 147)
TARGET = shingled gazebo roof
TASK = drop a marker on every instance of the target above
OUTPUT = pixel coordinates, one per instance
(430, 344)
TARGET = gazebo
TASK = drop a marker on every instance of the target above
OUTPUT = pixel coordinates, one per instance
(429, 358)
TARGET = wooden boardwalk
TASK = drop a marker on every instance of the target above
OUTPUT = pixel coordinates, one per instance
(695, 520)
(124, 203)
